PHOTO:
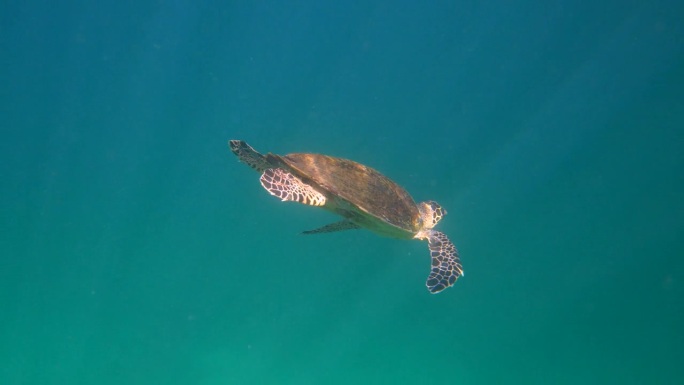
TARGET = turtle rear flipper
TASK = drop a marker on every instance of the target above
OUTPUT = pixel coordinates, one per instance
(288, 187)
(446, 265)
(332, 227)
(249, 156)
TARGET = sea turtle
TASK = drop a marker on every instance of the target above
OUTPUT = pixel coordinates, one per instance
(362, 196)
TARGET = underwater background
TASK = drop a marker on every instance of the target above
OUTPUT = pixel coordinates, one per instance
(135, 249)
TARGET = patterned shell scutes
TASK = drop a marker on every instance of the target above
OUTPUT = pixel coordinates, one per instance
(359, 185)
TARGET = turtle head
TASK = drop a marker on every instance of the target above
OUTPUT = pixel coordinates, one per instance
(430, 213)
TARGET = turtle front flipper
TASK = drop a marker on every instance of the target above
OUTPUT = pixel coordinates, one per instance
(345, 224)
(288, 187)
(249, 156)
(446, 265)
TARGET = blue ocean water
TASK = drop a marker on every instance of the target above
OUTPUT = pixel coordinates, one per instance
(137, 250)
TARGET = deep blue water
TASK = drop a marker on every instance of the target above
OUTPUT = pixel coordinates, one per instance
(137, 250)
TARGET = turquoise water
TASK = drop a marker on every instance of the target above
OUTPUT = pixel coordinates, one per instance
(137, 250)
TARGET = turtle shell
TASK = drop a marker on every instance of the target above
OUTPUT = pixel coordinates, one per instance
(365, 188)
